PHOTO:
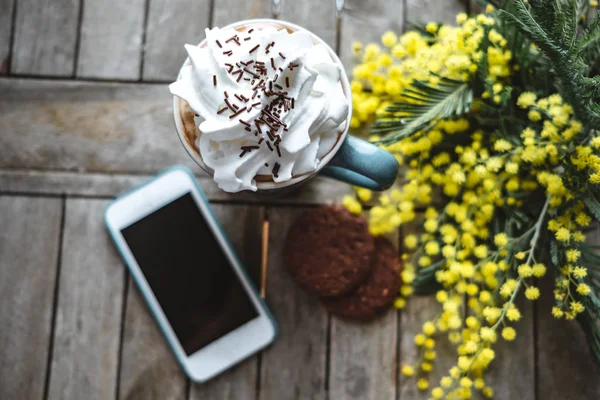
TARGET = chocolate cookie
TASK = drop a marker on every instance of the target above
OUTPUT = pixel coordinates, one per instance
(328, 251)
(375, 294)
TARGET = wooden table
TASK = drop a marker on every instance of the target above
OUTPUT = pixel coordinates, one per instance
(85, 114)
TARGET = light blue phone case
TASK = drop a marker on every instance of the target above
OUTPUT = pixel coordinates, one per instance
(154, 307)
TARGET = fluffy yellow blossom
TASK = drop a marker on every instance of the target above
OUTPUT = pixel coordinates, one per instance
(557, 312)
(525, 270)
(509, 333)
(352, 204)
(572, 255)
(583, 289)
(432, 27)
(411, 241)
(487, 334)
(513, 314)
(429, 328)
(407, 370)
(538, 270)
(399, 303)
(579, 272)
(526, 100)
(563, 234)
(422, 384)
(532, 293)
(389, 39)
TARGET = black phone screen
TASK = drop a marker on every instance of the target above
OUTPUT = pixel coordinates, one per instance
(191, 277)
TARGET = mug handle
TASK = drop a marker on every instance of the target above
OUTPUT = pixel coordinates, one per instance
(361, 163)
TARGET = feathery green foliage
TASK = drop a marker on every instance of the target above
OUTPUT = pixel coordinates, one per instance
(422, 105)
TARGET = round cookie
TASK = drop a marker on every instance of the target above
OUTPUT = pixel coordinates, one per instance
(375, 294)
(328, 251)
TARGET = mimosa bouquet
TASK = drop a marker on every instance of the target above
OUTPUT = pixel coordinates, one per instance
(494, 121)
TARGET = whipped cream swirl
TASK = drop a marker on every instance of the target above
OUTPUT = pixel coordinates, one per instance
(270, 103)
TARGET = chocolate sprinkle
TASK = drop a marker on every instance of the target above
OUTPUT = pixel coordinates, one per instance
(251, 73)
(281, 55)
(287, 81)
(214, 80)
(276, 170)
(219, 44)
(238, 112)
(254, 49)
(222, 110)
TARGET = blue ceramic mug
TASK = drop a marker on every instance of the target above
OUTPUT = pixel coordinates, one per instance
(351, 160)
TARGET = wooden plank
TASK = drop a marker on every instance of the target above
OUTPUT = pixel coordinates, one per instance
(432, 10)
(86, 126)
(363, 358)
(171, 24)
(295, 365)
(45, 37)
(111, 39)
(317, 16)
(364, 362)
(243, 225)
(366, 21)
(29, 242)
(229, 11)
(512, 373)
(90, 300)
(565, 366)
(319, 190)
(6, 21)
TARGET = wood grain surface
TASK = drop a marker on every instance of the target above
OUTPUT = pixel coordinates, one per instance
(45, 38)
(226, 12)
(363, 358)
(171, 24)
(317, 16)
(423, 11)
(87, 332)
(295, 366)
(67, 145)
(29, 248)
(110, 45)
(6, 20)
(365, 22)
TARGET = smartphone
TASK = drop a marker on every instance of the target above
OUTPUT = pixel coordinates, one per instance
(206, 306)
